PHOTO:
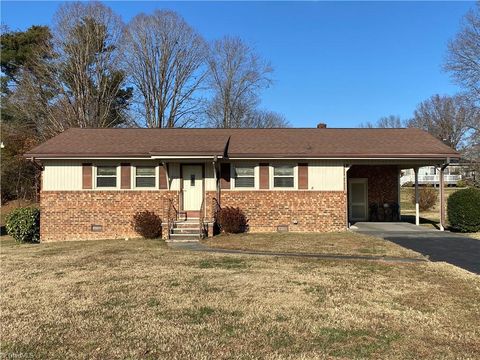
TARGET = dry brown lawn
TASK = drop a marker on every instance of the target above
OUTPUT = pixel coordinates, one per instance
(139, 299)
(341, 243)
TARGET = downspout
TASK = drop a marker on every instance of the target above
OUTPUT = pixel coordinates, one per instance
(37, 165)
(345, 191)
(37, 187)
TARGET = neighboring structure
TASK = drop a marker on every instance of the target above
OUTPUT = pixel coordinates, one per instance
(95, 180)
(461, 172)
(430, 175)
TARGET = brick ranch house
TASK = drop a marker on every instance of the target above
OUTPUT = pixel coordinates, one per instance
(315, 180)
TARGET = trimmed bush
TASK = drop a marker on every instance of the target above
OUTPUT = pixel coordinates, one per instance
(23, 224)
(464, 210)
(427, 197)
(232, 220)
(147, 224)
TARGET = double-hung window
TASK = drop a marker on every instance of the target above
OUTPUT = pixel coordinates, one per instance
(145, 176)
(244, 176)
(106, 176)
(283, 176)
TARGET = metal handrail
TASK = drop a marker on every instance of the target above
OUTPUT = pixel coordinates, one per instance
(216, 208)
(172, 216)
(201, 218)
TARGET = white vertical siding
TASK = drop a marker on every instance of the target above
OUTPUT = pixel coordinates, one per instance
(174, 175)
(326, 176)
(67, 175)
(210, 183)
(62, 175)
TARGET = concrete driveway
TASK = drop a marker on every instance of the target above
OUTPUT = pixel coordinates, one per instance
(454, 248)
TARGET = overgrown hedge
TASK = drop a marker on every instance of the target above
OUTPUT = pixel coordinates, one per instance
(23, 224)
(464, 210)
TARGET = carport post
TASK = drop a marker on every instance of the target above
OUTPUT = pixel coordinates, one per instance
(442, 197)
(417, 207)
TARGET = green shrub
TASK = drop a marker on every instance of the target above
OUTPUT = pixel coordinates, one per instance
(23, 224)
(232, 220)
(427, 197)
(464, 210)
(147, 224)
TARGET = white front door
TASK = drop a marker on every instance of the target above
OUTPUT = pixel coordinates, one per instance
(192, 187)
(358, 199)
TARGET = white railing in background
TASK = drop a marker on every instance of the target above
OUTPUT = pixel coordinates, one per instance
(430, 179)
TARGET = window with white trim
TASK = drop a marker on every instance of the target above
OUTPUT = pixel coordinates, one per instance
(245, 176)
(106, 177)
(145, 176)
(283, 176)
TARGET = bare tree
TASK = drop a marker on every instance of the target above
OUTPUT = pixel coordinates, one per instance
(265, 119)
(165, 59)
(237, 75)
(390, 121)
(463, 57)
(77, 79)
(447, 118)
(86, 39)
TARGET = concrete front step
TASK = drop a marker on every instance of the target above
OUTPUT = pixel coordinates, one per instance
(186, 230)
(175, 240)
(186, 224)
(185, 237)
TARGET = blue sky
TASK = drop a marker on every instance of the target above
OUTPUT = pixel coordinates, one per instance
(342, 63)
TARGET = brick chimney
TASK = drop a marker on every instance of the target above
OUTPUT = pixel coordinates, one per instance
(321, 126)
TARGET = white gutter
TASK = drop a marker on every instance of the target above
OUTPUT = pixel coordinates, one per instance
(126, 158)
(337, 158)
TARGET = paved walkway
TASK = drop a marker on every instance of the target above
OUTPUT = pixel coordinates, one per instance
(197, 246)
(454, 248)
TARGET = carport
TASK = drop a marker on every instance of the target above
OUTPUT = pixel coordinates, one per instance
(373, 188)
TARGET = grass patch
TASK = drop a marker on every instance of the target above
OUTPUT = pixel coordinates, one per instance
(341, 243)
(229, 263)
(355, 343)
(198, 315)
(152, 302)
(280, 339)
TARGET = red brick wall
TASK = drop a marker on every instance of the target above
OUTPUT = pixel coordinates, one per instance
(314, 210)
(382, 181)
(68, 215)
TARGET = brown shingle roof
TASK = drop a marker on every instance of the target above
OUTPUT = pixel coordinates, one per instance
(249, 143)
